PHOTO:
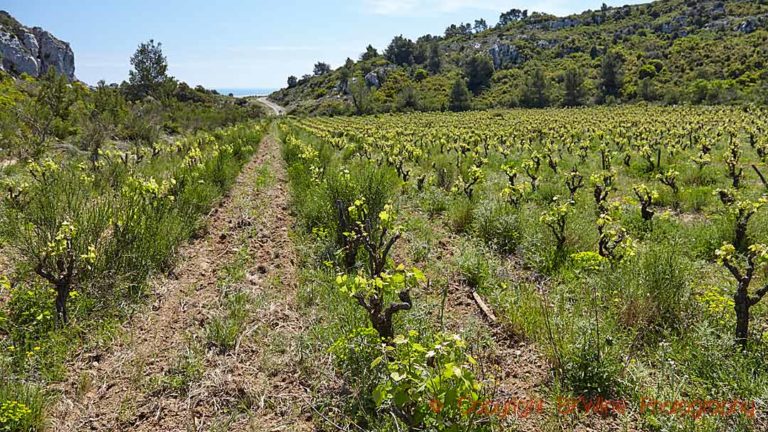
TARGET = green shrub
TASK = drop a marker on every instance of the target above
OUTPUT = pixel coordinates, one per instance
(353, 355)
(593, 369)
(429, 385)
(445, 171)
(656, 288)
(496, 223)
(546, 192)
(434, 202)
(373, 186)
(22, 407)
(460, 214)
(696, 199)
(474, 265)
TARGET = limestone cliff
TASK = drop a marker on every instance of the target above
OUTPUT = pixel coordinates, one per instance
(32, 50)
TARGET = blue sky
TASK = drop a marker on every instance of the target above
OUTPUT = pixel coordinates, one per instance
(257, 43)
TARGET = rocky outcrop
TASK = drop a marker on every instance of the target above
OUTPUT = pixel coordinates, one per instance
(672, 26)
(372, 79)
(504, 55)
(17, 58)
(562, 23)
(376, 77)
(32, 51)
(55, 53)
(751, 24)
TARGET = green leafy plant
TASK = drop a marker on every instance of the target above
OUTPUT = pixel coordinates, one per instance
(468, 180)
(743, 210)
(21, 407)
(555, 218)
(496, 224)
(371, 294)
(57, 229)
(429, 387)
(646, 197)
(574, 181)
(669, 178)
(602, 184)
(613, 241)
(531, 167)
(516, 194)
(358, 202)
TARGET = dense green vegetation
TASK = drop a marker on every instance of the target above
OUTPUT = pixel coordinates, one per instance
(627, 244)
(51, 113)
(668, 51)
(588, 225)
(100, 187)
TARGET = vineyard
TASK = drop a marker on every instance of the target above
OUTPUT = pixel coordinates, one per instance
(600, 268)
(457, 261)
(84, 235)
(552, 221)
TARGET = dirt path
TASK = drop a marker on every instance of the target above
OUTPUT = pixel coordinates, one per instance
(520, 371)
(277, 109)
(237, 282)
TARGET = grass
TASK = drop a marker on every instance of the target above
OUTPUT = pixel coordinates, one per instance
(185, 372)
(22, 407)
(640, 327)
(223, 332)
(35, 347)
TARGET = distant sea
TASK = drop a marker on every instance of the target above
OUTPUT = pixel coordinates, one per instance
(240, 92)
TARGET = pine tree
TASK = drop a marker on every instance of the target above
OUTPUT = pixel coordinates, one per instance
(460, 97)
(536, 93)
(611, 75)
(573, 83)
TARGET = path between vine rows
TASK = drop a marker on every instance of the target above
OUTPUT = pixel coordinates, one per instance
(257, 385)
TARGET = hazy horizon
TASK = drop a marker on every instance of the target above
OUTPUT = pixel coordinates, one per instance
(246, 91)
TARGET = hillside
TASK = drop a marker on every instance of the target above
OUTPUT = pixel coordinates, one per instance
(669, 51)
(32, 51)
(44, 108)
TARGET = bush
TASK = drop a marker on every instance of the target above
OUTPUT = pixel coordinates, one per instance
(474, 266)
(592, 369)
(696, 199)
(22, 407)
(460, 214)
(353, 355)
(429, 387)
(373, 186)
(497, 224)
(657, 288)
(434, 202)
(445, 171)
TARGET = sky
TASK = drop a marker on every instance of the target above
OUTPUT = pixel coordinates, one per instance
(251, 43)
